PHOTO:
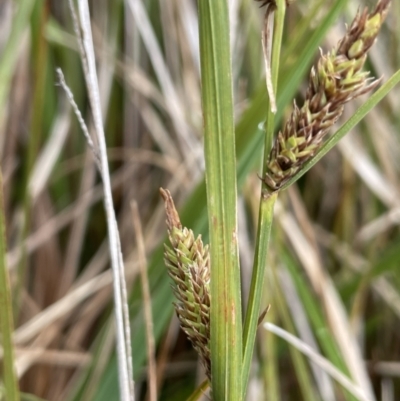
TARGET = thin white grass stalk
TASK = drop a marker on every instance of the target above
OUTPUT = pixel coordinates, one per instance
(120, 297)
(151, 351)
(322, 362)
(125, 311)
(78, 114)
(79, 38)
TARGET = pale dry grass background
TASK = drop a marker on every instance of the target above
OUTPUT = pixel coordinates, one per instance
(335, 250)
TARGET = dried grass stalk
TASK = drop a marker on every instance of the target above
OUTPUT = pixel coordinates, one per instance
(337, 79)
(188, 263)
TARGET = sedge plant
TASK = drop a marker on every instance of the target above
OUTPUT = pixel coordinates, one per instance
(66, 282)
(206, 280)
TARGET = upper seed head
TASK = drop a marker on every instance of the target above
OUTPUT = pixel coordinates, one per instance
(337, 79)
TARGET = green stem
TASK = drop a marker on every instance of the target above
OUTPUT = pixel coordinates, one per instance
(266, 211)
(6, 320)
(219, 141)
(257, 282)
(265, 214)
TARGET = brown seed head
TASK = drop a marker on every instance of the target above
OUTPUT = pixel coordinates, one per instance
(337, 79)
(188, 263)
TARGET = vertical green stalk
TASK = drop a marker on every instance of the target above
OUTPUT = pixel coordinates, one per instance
(266, 211)
(40, 54)
(219, 137)
(6, 320)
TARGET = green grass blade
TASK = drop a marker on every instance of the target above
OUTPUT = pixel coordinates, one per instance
(219, 137)
(6, 319)
(347, 126)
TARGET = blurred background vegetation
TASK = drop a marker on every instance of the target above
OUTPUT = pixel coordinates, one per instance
(333, 278)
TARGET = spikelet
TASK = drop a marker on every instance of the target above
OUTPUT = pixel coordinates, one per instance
(337, 79)
(188, 263)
